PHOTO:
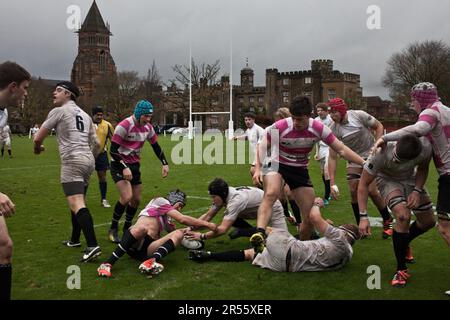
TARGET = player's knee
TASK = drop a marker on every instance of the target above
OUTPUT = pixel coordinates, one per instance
(176, 236)
(138, 231)
(6, 250)
(403, 218)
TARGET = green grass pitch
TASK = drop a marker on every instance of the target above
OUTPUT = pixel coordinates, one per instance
(42, 221)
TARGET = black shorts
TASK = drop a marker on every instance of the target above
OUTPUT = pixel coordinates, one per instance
(443, 201)
(295, 177)
(117, 172)
(74, 188)
(102, 163)
(140, 253)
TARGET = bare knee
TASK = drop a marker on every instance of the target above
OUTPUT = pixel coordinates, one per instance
(6, 249)
(138, 231)
(177, 236)
(444, 230)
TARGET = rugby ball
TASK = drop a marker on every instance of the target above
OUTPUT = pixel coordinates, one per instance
(192, 244)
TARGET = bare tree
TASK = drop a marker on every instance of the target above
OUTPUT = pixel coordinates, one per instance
(129, 87)
(421, 61)
(208, 72)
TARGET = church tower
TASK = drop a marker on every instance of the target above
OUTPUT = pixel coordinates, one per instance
(94, 68)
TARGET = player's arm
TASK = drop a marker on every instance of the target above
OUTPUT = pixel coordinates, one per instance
(160, 154)
(39, 137)
(345, 152)
(260, 156)
(93, 141)
(220, 230)
(378, 129)
(421, 178)
(363, 196)
(420, 129)
(320, 224)
(210, 214)
(190, 221)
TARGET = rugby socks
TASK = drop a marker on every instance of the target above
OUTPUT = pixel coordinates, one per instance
(230, 256)
(9, 152)
(327, 188)
(86, 223)
(355, 208)
(414, 231)
(401, 241)
(129, 217)
(126, 243)
(296, 211)
(76, 229)
(241, 224)
(3, 151)
(5, 281)
(119, 209)
(385, 214)
(164, 250)
(103, 187)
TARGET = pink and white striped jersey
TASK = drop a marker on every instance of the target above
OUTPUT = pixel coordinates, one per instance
(158, 208)
(131, 139)
(295, 145)
(434, 124)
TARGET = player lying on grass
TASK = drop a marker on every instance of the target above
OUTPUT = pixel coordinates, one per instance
(143, 240)
(284, 253)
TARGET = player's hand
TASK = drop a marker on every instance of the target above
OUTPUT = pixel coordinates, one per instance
(380, 143)
(212, 226)
(257, 178)
(364, 227)
(413, 200)
(335, 192)
(319, 201)
(193, 235)
(38, 149)
(7, 207)
(127, 175)
(316, 157)
(165, 170)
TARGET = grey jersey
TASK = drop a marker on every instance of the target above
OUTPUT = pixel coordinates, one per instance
(243, 202)
(3, 117)
(328, 253)
(75, 131)
(356, 133)
(382, 162)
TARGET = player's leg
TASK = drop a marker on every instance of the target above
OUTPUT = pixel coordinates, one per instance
(353, 176)
(132, 205)
(443, 207)
(379, 202)
(6, 250)
(304, 196)
(125, 195)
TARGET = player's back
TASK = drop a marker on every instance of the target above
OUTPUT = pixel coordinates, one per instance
(75, 131)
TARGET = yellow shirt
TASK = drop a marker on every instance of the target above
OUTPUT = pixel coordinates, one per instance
(105, 131)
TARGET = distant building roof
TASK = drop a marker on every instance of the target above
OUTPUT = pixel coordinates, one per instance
(94, 21)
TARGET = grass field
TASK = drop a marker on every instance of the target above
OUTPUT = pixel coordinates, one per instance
(42, 220)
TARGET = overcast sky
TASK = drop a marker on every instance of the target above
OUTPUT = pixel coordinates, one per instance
(282, 34)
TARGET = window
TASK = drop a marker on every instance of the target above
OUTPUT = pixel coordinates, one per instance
(285, 82)
(252, 99)
(308, 80)
(260, 99)
(241, 100)
(285, 93)
(331, 94)
(102, 61)
(286, 99)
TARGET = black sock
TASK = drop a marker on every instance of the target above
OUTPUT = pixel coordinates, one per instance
(285, 208)
(385, 214)
(327, 188)
(119, 209)
(5, 281)
(84, 218)
(414, 231)
(9, 152)
(164, 250)
(355, 208)
(76, 229)
(126, 243)
(241, 224)
(129, 217)
(401, 242)
(296, 211)
(103, 188)
(3, 151)
(231, 256)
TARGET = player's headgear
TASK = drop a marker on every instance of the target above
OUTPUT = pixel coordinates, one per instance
(69, 86)
(142, 107)
(175, 196)
(96, 110)
(352, 232)
(425, 94)
(219, 187)
(339, 105)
